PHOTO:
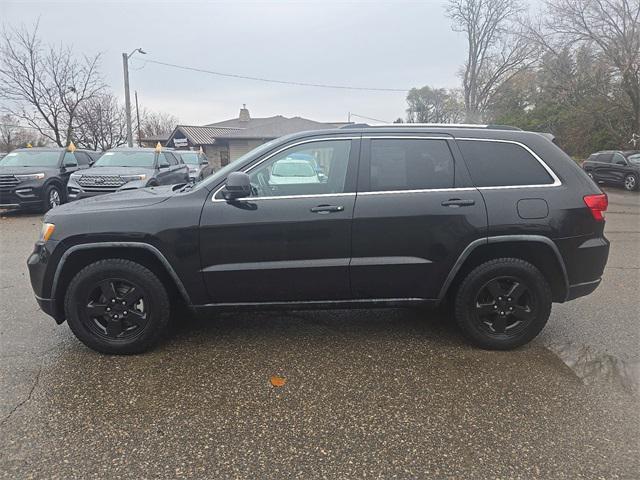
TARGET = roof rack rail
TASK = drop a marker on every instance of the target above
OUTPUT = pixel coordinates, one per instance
(434, 125)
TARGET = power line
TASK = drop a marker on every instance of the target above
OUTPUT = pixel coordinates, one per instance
(351, 114)
(270, 80)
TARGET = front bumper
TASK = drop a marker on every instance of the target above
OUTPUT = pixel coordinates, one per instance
(21, 196)
(41, 278)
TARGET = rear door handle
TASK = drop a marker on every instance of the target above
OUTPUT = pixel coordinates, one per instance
(458, 202)
(327, 208)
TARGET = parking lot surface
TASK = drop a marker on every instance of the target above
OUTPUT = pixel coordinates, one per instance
(368, 393)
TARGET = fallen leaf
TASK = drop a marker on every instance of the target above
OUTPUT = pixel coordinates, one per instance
(277, 381)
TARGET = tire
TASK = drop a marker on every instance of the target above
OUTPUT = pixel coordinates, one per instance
(117, 306)
(55, 192)
(630, 182)
(503, 304)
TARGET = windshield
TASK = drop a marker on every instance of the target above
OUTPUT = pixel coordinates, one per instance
(293, 169)
(190, 158)
(233, 166)
(634, 159)
(126, 159)
(31, 158)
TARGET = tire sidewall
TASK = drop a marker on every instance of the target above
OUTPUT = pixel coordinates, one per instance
(470, 288)
(155, 296)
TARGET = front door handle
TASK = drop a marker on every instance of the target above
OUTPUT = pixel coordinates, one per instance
(458, 202)
(327, 209)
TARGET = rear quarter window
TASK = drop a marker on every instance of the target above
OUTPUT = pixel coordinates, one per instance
(498, 164)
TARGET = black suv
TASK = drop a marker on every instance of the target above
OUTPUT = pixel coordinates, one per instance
(501, 222)
(196, 161)
(37, 177)
(126, 169)
(615, 167)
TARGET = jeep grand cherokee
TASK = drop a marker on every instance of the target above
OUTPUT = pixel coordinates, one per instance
(499, 221)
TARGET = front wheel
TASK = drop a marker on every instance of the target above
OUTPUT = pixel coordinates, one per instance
(117, 306)
(630, 182)
(503, 304)
(52, 198)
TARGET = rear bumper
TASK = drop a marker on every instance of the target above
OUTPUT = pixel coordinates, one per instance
(585, 260)
(582, 289)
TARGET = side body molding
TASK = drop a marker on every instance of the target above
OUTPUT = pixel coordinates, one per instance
(501, 239)
(88, 246)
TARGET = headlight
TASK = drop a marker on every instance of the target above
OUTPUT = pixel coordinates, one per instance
(30, 176)
(132, 178)
(47, 231)
(76, 176)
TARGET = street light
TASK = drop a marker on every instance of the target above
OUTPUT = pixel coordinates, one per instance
(127, 99)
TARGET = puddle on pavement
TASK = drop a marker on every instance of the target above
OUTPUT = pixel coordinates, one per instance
(598, 368)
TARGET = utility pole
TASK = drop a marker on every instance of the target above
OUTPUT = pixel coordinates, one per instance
(138, 118)
(127, 98)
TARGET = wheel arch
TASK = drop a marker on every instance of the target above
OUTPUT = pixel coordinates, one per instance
(538, 250)
(79, 256)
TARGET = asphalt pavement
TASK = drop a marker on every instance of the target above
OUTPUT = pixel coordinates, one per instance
(369, 393)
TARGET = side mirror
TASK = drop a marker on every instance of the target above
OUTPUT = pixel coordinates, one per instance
(238, 186)
(163, 165)
(621, 162)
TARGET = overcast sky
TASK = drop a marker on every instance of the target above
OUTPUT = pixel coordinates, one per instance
(381, 44)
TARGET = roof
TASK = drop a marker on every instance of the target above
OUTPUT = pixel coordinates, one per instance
(272, 127)
(256, 128)
(204, 135)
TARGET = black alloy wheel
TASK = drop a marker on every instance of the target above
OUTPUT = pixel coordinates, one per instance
(116, 309)
(117, 306)
(505, 306)
(503, 303)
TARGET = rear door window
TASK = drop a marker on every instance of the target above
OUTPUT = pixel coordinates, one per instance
(499, 164)
(605, 157)
(410, 164)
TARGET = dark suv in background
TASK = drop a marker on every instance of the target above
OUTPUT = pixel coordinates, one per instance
(500, 222)
(37, 177)
(127, 169)
(196, 161)
(615, 167)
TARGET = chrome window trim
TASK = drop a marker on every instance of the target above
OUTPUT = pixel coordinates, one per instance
(404, 137)
(556, 180)
(554, 177)
(302, 142)
(422, 190)
(289, 197)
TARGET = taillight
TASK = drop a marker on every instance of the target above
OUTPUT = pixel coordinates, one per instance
(597, 204)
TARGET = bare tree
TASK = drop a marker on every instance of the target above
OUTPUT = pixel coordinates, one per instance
(433, 105)
(495, 48)
(13, 135)
(153, 124)
(101, 123)
(611, 27)
(44, 85)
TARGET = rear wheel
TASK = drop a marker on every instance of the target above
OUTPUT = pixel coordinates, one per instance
(630, 182)
(117, 306)
(503, 304)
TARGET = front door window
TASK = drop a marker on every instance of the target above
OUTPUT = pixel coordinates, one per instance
(313, 168)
